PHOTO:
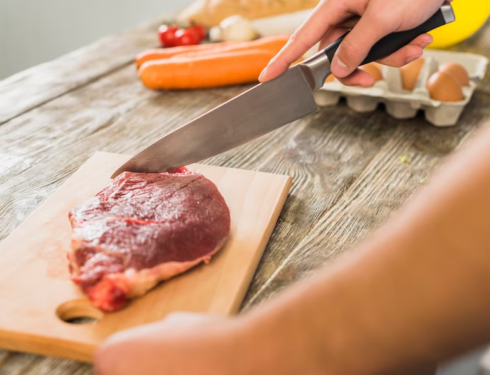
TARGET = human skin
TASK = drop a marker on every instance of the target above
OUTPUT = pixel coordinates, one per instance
(370, 20)
(415, 293)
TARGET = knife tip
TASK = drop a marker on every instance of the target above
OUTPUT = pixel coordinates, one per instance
(117, 173)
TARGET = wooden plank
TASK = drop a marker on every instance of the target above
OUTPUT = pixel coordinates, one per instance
(29, 364)
(4, 357)
(113, 114)
(383, 185)
(33, 87)
(146, 115)
(34, 257)
(325, 159)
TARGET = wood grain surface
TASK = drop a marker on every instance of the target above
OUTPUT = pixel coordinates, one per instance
(348, 175)
(40, 84)
(35, 265)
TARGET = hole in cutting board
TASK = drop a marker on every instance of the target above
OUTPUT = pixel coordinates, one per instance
(78, 311)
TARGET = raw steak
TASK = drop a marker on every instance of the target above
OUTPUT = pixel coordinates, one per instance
(141, 229)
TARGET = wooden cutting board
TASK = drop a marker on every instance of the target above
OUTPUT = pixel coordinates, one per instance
(36, 293)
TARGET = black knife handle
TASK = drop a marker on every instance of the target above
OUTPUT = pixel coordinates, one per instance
(393, 42)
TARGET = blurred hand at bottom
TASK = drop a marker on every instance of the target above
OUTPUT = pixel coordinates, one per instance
(183, 343)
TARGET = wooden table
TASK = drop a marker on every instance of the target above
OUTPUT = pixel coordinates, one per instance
(348, 176)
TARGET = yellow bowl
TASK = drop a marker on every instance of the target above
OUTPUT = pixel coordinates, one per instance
(470, 16)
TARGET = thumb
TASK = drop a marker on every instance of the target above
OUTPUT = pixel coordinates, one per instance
(357, 44)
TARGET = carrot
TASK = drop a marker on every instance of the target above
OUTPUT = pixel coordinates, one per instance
(208, 70)
(165, 53)
(192, 55)
(274, 43)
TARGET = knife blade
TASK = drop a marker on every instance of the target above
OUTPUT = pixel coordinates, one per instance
(229, 125)
(263, 108)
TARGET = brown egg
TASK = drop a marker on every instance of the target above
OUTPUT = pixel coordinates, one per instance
(374, 71)
(443, 87)
(458, 72)
(330, 78)
(410, 73)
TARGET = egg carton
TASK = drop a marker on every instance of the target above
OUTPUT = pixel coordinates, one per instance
(403, 104)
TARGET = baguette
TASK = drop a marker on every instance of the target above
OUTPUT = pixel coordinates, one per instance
(211, 12)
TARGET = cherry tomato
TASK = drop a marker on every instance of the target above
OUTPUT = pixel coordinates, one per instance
(186, 37)
(167, 35)
(200, 30)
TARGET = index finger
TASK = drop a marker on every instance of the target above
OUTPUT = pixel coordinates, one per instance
(308, 34)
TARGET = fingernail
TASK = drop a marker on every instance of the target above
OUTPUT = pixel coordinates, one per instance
(263, 74)
(339, 68)
(412, 58)
(427, 41)
(368, 84)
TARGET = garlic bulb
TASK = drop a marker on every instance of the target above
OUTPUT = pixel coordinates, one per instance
(233, 29)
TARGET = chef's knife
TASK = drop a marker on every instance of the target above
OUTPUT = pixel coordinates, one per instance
(263, 108)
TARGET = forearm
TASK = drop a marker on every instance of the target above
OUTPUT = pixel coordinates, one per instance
(416, 292)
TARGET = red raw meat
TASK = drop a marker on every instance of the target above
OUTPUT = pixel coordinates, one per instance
(141, 229)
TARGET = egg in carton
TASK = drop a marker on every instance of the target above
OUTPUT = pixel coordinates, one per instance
(402, 103)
